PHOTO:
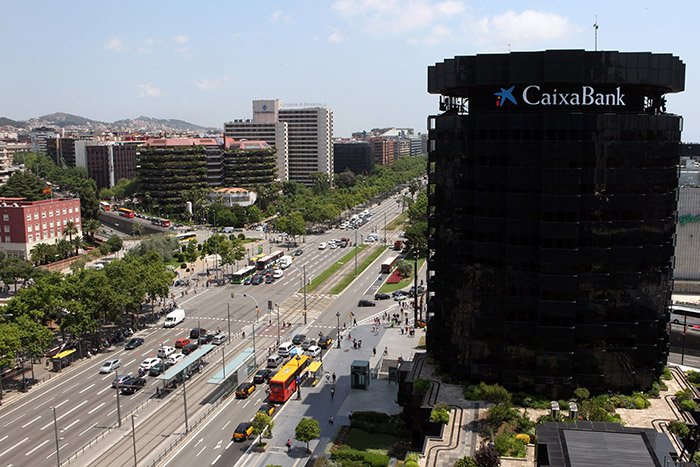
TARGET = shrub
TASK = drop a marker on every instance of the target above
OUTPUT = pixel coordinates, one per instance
(466, 461)
(522, 423)
(498, 414)
(377, 422)
(525, 438)
(411, 464)
(241, 236)
(693, 376)
(688, 405)
(413, 456)
(421, 386)
(508, 445)
(666, 374)
(531, 402)
(360, 458)
(487, 456)
(582, 394)
(440, 414)
(679, 428)
(494, 393)
(183, 266)
(684, 395)
(104, 248)
(399, 449)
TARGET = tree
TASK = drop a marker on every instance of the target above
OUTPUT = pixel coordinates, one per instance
(405, 268)
(487, 456)
(263, 424)
(42, 253)
(24, 184)
(306, 430)
(64, 248)
(13, 269)
(581, 394)
(91, 227)
(345, 179)
(69, 230)
(137, 229)
(466, 461)
(115, 243)
(9, 346)
(321, 184)
(34, 339)
(78, 243)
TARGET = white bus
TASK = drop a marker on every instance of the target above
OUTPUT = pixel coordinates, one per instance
(683, 314)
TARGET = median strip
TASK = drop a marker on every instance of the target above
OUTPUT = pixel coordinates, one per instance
(332, 269)
(347, 280)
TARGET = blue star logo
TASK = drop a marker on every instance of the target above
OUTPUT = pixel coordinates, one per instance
(505, 95)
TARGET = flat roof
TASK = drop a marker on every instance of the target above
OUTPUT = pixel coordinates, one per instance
(173, 371)
(231, 367)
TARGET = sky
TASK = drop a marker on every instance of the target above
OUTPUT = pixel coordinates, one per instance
(367, 60)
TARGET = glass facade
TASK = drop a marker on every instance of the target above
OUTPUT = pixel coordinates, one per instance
(552, 203)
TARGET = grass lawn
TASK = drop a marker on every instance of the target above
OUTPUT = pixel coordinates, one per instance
(393, 225)
(345, 281)
(388, 288)
(320, 279)
(361, 440)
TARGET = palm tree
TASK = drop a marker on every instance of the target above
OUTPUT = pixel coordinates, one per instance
(77, 243)
(91, 227)
(136, 229)
(40, 253)
(69, 229)
(64, 247)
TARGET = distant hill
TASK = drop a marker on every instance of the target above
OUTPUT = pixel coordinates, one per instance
(65, 120)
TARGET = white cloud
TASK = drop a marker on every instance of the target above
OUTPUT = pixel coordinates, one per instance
(436, 35)
(147, 46)
(182, 39)
(149, 90)
(116, 44)
(276, 16)
(522, 29)
(206, 84)
(336, 37)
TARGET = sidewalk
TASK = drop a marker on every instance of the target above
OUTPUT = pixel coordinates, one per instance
(317, 402)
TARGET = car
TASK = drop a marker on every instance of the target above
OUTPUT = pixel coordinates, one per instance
(307, 343)
(206, 338)
(132, 385)
(267, 409)
(277, 273)
(157, 369)
(257, 279)
(399, 295)
(248, 280)
(273, 361)
(195, 333)
(218, 339)
(420, 289)
(189, 348)
(382, 296)
(150, 363)
(366, 303)
(370, 240)
(325, 342)
(262, 376)
(244, 390)
(298, 339)
(119, 380)
(298, 252)
(180, 343)
(322, 246)
(313, 351)
(110, 365)
(133, 343)
(269, 279)
(174, 358)
(165, 351)
(242, 431)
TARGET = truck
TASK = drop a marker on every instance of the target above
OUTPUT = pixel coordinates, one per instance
(398, 245)
(174, 318)
(285, 261)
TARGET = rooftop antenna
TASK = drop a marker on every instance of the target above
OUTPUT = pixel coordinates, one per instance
(595, 30)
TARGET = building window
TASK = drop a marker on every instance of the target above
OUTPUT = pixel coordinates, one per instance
(64, 211)
(70, 210)
(43, 215)
(36, 215)
(6, 217)
(6, 228)
(29, 216)
(51, 224)
(58, 212)
(58, 223)
(43, 226)
(30, 238)
(50, 213)
(29, 228)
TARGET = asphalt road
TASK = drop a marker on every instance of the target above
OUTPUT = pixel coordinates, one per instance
(85, 403)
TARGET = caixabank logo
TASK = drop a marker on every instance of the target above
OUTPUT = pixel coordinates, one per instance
(585, 96)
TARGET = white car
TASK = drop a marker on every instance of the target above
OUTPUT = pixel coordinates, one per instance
(370, 240)
(333, 246)
(277, 273)
(174, 358)
(165, 351)
(150, 363)
(322, 246)
(110, 365)
(314, 351)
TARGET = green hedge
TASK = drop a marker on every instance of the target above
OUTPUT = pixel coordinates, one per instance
(353, 457)
(377, 422)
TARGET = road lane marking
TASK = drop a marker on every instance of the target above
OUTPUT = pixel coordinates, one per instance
(4, 438)
(111, 412)
(109, 375)
(64, 402)
(228, 445)
(96, 408)
(13, 446)
(32, 421)
(129, 362)
(71, 387)
(100, 392)
(68, 426)
(87, 388)
(54, 452)
(200, 440)
(37, 447)
(201, 450)
(13, 421)
(224, 427)
(217, 458)
(85, 431)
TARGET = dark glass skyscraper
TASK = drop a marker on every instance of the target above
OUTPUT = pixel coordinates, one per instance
(552, 204)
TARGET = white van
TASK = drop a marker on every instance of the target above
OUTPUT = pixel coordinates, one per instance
(285, 261)
(285, 348)
(174, 318)
(274, 361)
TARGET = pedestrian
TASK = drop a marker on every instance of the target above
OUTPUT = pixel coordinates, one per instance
(330, 420)
(359, 343)
(289, 445)
(374, 351)
(386, 351)
(402, 331)
(332, 392)
(354, 322)
(333, 377)
(243, 335)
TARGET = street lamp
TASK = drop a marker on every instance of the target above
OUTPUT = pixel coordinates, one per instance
(278, 323)
(337, 315)
(119, 410)
(257, 307)
(133, 437)
(257, 312)
(55, 432)
(303, 286)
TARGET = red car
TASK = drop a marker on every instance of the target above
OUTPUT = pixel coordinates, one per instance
(180, 343)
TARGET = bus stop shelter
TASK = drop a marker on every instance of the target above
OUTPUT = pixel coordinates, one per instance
(315, 370)
(177, 373)
(236, 370)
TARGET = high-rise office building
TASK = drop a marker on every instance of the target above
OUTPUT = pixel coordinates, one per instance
(310, 142)
(353, 155)
(552, 204)
(108, 162)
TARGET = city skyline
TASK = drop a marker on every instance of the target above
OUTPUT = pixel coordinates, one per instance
(365, 59)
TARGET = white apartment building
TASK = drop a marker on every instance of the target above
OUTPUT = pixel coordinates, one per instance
(310, 141)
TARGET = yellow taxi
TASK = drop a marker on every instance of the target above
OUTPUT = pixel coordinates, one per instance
(244, 390)
(243, 431)
(267, 409)
(325, 342)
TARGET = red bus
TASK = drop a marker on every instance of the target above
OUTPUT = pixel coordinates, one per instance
(284, 383)
(269, 260)
(161, 222)
(104, 205)
(388, 265)
(124, 212)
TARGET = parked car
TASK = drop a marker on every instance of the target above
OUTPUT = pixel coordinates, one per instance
(325, 342)
(314, 351)
(180, 343)
(132, 385)
(267, 409)
(174, 358)
(366, 303)
(195, 333)
(262, 376)
(189, 348)
(244, 390)
(157, 369)
(165, 351)
(307, 343)
(110, 365)
(119, 380)
(133, 343)
(243, 431)
(382, 296)
(218, 339)
(298, 339)
(150, 363)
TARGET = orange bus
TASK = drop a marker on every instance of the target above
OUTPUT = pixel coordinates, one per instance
(124, 212)
(284, 383)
